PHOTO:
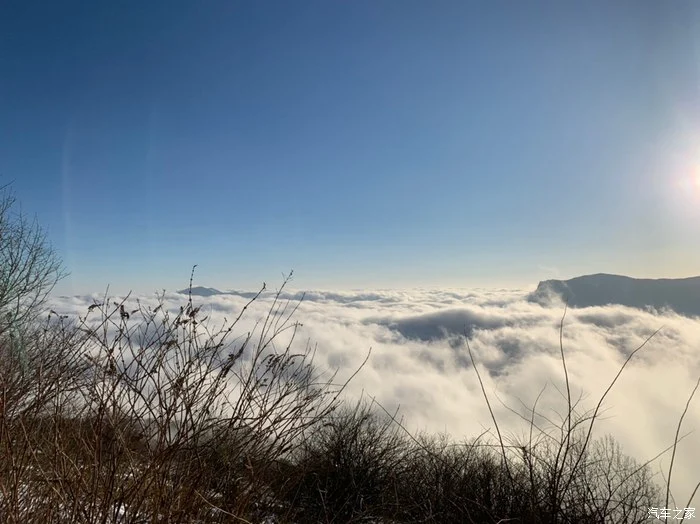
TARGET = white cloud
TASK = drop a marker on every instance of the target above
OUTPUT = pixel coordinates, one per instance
(419, 361)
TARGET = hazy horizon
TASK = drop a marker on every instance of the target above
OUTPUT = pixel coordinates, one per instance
(296, 285)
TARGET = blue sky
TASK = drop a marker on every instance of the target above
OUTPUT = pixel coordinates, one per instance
(362, 144)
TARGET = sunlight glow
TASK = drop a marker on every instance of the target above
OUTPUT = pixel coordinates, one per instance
(689, 185)
(682, 195)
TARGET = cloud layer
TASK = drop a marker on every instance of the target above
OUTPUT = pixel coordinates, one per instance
(419, 360)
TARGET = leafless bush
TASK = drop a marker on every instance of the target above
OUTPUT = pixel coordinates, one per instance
(29, 268)
(143, 415)
(346, 467)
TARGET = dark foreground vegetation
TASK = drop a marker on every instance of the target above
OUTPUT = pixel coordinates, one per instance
(138, 415)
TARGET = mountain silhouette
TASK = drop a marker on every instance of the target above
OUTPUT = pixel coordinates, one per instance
(200, 291)
(681, 295)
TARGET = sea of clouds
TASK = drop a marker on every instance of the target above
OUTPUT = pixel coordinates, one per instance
(419, 361)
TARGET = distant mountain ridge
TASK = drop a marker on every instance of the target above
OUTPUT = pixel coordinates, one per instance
(681, 295)
(200, 291)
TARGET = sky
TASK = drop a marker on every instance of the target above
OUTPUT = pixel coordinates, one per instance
(362, 144)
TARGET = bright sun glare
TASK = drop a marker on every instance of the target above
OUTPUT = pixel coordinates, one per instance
(684, 194)
(693, 184)
(689, 185)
